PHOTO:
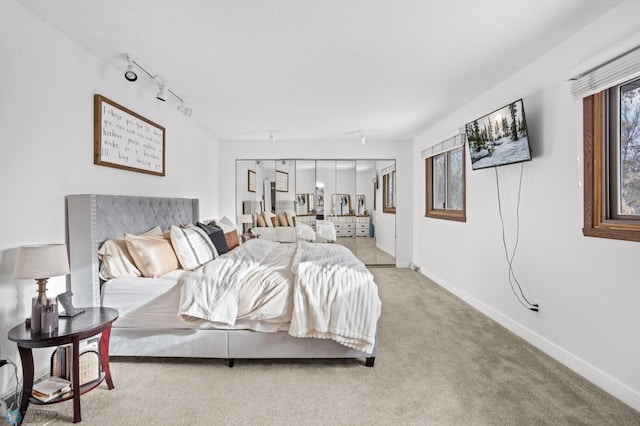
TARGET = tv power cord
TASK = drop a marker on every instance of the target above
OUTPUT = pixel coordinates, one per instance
(513, 281)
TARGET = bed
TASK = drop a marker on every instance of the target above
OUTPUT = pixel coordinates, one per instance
(148, 324)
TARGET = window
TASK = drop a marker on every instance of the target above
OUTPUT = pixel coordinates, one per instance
(445, 185)
(389, 192)
(612, 162)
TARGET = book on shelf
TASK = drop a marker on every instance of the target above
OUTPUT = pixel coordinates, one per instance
(61, 359)
(50, 388)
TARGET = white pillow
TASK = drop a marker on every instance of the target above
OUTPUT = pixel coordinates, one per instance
(192, 246)
(226, 224)
(115, 260)
(269, 218)
(291, 217)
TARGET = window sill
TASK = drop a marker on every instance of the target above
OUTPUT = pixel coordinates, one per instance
(612, 233)
(455, 215)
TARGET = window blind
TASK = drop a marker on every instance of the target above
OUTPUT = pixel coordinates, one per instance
(446, 145)
(608, 74)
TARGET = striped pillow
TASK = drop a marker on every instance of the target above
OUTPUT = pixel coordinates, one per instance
(192, 246)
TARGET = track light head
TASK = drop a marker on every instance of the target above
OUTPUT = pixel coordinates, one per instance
(362, 139)
(185, 110)
(130, 74)
(162, 94)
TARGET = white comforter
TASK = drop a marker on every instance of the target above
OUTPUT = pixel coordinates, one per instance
(331, 296)
(248, 287)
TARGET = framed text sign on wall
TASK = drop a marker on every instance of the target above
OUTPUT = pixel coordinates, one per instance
(126, 140)
(282, 181)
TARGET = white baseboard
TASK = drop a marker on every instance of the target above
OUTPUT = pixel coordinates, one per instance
(598, 377)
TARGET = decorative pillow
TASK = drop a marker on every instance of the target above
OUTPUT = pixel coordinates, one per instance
(232, 239)
(192, 246)
(216, 235)
(270, 218)
(230, 232)
(291, 217)
(260, 220)
(282, 220)
(115, 260)
(153, 255)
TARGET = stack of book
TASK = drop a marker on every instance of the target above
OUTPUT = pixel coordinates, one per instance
(50, 388)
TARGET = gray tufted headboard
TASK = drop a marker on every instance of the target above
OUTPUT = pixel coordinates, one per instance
(93, 219)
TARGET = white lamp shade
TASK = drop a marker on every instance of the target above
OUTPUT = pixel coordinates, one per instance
(42, 261)
(247, 218)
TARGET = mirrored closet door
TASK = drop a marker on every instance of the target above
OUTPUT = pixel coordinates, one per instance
(347, 193)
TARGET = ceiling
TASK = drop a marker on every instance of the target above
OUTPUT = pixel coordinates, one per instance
(320, 69)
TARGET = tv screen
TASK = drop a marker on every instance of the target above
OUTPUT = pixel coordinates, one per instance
(499, 138)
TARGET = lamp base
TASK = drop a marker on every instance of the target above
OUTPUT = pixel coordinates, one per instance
(36, 314)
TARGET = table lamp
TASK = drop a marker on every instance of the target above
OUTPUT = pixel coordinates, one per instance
(41, 262)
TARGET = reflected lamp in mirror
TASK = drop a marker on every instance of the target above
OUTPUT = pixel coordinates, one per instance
(41, 262)
(361, 209)
(341, 204)
(247, 222)
(304, 204)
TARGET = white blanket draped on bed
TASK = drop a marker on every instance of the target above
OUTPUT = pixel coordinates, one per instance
(335, 297)
(332, 296)
(251, 283)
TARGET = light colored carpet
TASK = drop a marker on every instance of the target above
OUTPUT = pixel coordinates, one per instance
(365, 249)
(440, 362)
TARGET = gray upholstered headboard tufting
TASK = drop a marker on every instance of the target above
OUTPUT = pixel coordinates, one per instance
(93, 219)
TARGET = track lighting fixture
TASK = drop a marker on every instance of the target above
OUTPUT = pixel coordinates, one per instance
(130, 74)
(163, 92)
(362, 139)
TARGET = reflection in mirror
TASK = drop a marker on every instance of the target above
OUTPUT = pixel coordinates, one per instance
(305, 204)
(248, 189)
(325, 186)
(266, 176)
(353, 196)
(341, 204)
(361, 207)
(389, 191)
(375, 230)
(285, 186)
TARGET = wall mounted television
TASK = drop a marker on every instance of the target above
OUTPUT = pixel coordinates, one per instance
(499, 138)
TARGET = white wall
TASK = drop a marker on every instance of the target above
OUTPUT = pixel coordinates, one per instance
(46, 151)
(588, 287)
(400, 150)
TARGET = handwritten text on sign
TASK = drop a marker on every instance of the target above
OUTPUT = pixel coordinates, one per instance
(128, 141)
